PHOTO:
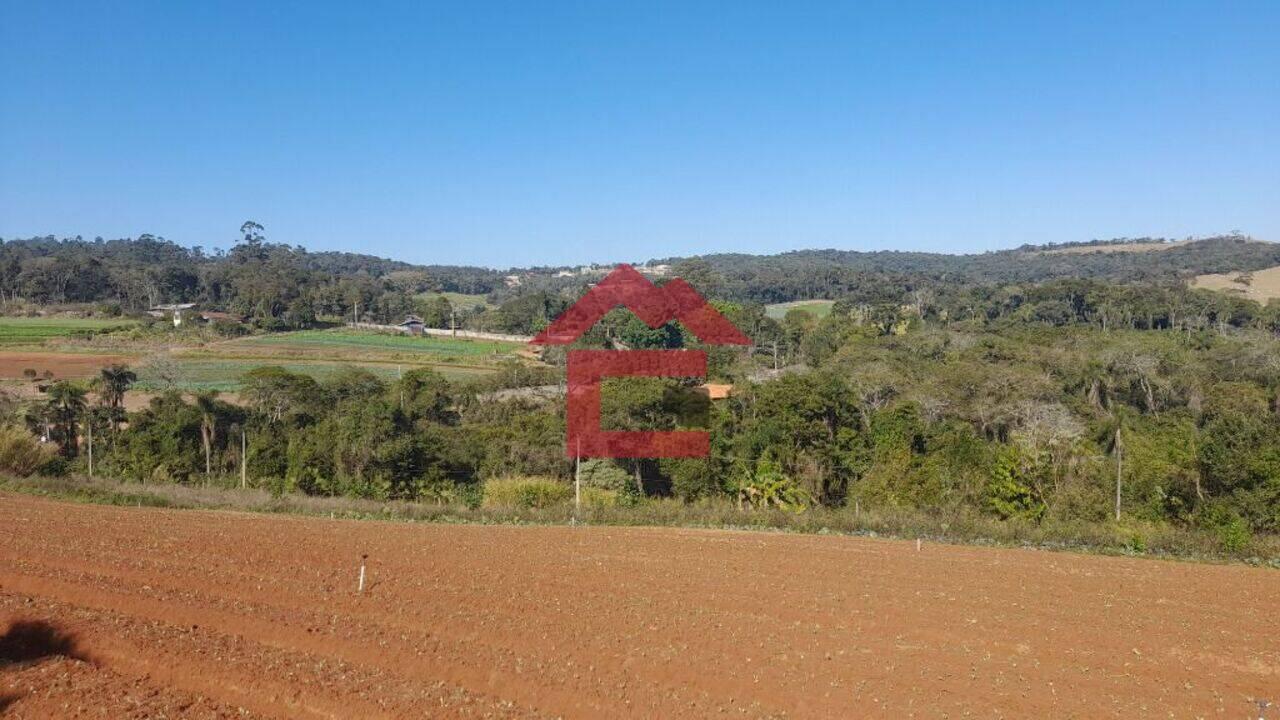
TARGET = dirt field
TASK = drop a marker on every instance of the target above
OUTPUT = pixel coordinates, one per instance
(211, 615)
(62, 365)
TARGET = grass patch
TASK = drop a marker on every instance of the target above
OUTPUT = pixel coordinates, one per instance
(1260, 285)
(818, 308)
(459, 301)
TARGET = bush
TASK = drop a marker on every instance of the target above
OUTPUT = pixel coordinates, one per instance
(526, 492)
(1230, 529)
(603, 474)
(21, 453)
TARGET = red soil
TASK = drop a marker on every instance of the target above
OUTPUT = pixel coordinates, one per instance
(62, 365)
(207, 614)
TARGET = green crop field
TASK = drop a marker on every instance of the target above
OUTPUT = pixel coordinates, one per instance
(381, 341)
(35, 330)
(819, 308)
(225, 375)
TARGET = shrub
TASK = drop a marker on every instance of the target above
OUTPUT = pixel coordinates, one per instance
(21, 453)
(593, 497)
(1230, 529)
(526, 492)
(603, 474)
(769, 487)
(1009, 494)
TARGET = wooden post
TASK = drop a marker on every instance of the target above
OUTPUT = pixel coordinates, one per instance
(90, 444)
(244, 461)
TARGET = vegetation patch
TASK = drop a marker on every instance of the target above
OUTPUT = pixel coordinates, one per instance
(817, 308)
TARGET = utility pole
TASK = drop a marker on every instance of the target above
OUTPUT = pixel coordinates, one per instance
(1119, 468)
(244, 461)
(577, 481)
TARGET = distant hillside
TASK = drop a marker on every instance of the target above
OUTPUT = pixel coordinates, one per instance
(149, 269)
(834, 274)
(1118, 247)
(1261, 285)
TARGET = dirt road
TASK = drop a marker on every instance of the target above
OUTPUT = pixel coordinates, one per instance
(151, 613)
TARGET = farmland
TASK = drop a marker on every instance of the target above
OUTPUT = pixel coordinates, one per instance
(20, 331)
(223, 374)
(378, 342)
(14, 364)
(33, 344)
(193, 612)
(321, 354)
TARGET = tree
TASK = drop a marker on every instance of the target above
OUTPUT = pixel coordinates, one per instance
(251, 233)
(66, 405)
(277, 393)
(207, 403)
(113, 382)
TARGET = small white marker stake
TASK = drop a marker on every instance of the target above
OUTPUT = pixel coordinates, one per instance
(917, 544)
(362, 559)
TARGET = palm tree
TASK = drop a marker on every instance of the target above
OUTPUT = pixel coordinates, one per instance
(66, 404)
(208, 405)
(112, 384)
(114, 381)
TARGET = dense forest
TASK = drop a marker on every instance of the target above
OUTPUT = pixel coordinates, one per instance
(1023, 386)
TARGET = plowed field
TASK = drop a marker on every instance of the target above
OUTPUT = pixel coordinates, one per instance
(141, 613)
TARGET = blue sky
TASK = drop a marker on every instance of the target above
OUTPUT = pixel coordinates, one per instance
(549, 133)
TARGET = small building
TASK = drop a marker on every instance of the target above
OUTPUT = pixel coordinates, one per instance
(413, 325)
(173, 310)
(716, 391)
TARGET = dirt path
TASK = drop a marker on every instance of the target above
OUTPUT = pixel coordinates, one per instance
(231, 615)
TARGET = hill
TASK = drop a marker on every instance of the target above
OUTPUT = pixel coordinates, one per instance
(1262, 285)
(833, 274)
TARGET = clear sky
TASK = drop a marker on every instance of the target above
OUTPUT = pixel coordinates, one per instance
(554, 133)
